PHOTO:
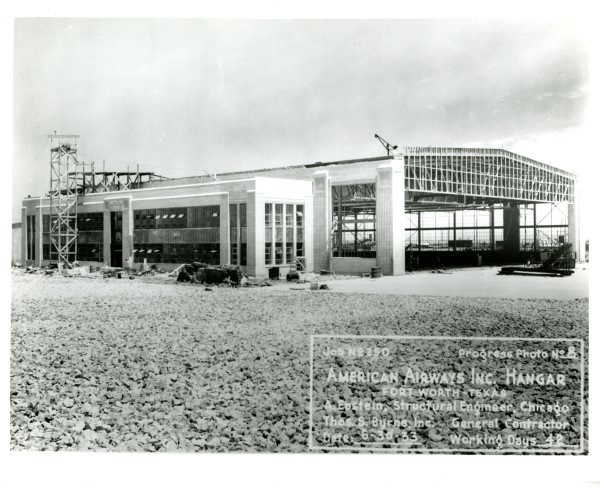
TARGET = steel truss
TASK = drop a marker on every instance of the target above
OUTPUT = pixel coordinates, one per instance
(65, 183)
(94, 182)
(478, 175)
(69, 179)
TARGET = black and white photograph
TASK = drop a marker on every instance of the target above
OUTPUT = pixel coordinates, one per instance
(322, 237)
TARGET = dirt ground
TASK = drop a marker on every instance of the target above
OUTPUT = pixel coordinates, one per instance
(154, 365)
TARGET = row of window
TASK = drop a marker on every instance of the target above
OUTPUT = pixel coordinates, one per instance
(277, 218)
(191, 217)
(534, 239)
(177, 253)
(274, 253)
(93, 252)
(84, 221)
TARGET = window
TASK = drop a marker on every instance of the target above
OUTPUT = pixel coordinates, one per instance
(284, 233)
(243, 254)
(30, 251)
(177, 253)
(268, 233)
(300, 230)
(268, 253)
(268, 214)
(234, 254)
(90, 252)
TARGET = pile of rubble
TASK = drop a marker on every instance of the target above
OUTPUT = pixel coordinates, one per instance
(198, 272)
(217, 275)
(30, 269)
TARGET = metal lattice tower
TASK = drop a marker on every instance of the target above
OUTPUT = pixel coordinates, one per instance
(66, 177)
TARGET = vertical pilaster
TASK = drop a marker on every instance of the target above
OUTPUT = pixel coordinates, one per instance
(390, 218)
(308, 233)
(127, 232)
(322, 245)
(573, 230)
(224, 252)
(24, 236)
(39, 235)
(256, 233)
(510, 219)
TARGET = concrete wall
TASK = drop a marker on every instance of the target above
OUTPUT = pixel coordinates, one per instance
(16, 243)
(352, 265)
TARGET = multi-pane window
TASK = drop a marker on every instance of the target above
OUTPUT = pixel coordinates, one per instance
(90, 252)
(89, 221)
(299, 230)
(543, 226)
(90, 237)
(233, 234)
(177, 218)
(177, 253)
(189, 234)
(284, 233)
(278, 233)
(243, 234)
(238, 233)
(268, 233)
(30, 238)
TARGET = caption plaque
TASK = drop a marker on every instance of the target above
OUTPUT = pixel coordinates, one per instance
(447, 394)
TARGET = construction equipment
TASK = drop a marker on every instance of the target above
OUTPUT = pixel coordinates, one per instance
(559, 263)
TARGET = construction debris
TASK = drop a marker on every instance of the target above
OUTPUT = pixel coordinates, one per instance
(292, 276)
(197, 272)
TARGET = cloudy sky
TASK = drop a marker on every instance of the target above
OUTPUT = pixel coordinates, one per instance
(185, 97)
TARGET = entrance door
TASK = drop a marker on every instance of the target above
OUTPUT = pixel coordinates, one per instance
(116, 239)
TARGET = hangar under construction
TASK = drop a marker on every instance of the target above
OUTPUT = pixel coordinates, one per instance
(415, 207)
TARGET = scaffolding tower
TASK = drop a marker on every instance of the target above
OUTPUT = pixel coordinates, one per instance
(66, 181)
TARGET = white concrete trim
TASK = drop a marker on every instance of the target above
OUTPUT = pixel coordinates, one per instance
(146, 189)
(179, 197)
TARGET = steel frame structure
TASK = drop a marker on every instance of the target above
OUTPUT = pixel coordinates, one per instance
(474, 175)
(353, 210)
(65, 184)
(69, 179)
(95, 182)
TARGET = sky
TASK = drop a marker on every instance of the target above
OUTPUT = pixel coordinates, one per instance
(187, 97)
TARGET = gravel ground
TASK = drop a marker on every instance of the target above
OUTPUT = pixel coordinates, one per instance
(118, 365)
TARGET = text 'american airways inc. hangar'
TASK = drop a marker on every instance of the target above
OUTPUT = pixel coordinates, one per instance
(417, 207)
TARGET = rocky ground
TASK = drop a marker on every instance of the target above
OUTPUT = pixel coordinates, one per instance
(119, 365)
